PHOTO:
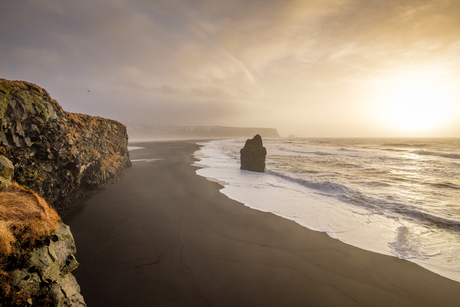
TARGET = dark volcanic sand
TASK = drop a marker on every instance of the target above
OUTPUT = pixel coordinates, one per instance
(164, 236)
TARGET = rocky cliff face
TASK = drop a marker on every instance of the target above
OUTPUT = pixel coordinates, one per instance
(46, 278)
(37, 252)
(56, 153)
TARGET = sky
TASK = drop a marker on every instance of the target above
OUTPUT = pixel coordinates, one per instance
(314, 68)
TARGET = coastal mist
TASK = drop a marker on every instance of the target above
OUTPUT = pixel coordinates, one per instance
(398, 197)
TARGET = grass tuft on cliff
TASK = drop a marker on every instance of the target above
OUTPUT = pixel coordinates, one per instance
(25, 220)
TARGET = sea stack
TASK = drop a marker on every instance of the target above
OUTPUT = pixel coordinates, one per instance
(253, 155)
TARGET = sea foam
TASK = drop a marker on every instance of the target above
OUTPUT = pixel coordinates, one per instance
(393, 228)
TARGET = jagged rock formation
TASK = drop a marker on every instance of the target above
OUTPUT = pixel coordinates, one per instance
(47, 273)
(36, 253)
(56, 153)
(253, 155)
(197, 132)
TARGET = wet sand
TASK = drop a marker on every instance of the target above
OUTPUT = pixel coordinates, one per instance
(164, 236)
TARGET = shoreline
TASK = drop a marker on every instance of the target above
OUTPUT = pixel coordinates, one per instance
(165, 235)
(349, 222)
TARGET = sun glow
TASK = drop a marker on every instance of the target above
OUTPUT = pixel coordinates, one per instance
(418, 105)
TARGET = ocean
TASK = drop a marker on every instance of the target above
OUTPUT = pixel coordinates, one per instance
(398, 197)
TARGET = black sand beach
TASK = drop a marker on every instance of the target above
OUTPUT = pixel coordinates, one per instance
(164, 236)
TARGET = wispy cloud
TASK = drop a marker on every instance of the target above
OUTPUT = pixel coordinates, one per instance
(289, 61)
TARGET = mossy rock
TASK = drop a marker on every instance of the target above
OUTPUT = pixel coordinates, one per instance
(85, 152)
(6, 171)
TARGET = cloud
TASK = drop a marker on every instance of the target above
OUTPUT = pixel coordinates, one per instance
(215, 62)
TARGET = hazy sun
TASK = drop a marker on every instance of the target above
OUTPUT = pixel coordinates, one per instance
(417, 105)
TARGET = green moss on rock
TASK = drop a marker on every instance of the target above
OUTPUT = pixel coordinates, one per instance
(56, 153)
(6, 171)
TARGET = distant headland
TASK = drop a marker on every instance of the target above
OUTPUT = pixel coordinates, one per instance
(143, 132)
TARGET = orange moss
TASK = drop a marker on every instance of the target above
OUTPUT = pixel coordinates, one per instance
(94, 154)
(78, 125)
(25, 218)
(10, 294)
(75, 119)
(112, 163)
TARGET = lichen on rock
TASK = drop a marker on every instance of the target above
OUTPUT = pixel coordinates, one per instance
(51, 266)
(6, 171)
(56, 153)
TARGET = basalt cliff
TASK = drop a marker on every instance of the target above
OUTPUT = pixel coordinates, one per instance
(48, 158)
(55, 153)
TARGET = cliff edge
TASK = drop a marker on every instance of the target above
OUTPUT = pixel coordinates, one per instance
(55, 153)
(48, 158)
(36, 253)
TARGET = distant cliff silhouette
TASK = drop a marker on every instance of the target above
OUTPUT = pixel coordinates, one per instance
(198, 132)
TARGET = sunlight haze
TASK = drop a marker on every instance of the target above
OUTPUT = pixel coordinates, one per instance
(420, 105)
(320, 68)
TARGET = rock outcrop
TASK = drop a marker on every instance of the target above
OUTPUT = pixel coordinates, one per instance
(37, 252)
(6, 170)
(253, 155)
(47, 276)
(56, 153)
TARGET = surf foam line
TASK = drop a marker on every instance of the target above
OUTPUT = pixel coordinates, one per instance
(310, 208)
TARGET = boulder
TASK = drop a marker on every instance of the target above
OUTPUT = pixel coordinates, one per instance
(6, 171)
(49, 270)
(253, 155)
